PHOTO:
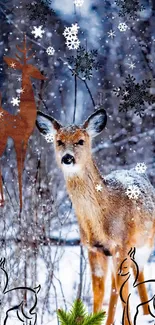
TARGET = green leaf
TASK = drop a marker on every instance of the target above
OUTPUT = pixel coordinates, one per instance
(95, 319)
(78, 312)
(63, 317)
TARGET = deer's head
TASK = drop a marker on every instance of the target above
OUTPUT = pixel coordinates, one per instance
(20, 63)
(72, 143)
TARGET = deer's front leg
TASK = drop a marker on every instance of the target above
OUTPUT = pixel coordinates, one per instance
(99, 265)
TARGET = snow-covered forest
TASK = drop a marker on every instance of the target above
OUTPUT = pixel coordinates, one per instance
(116, 70)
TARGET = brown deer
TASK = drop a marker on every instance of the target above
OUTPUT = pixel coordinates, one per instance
(19, 127)
(110, 222)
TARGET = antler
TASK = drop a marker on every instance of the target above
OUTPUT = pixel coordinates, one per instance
(24, 51)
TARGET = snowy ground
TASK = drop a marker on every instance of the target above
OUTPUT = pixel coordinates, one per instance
(68, 274)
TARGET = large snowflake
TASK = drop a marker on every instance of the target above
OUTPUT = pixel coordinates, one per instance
(70, 33)
(134, 95)
(39, 10)
(129, 8)
(84, 62)
(38, 31)
(133, 192)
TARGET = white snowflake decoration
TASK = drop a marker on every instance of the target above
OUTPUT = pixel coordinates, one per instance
(49, 137)
(117, 91)
(15, 101)
(133, 192)
(140, 168)
(70, 33)
(1, 114)
(131, 65)
(75, 28)
(111, 33)
(13, 65)
(50, 50)
(73, 44)
(20, 91)
(38, 31)
(122, 27)
(78, 3)
(99, 188)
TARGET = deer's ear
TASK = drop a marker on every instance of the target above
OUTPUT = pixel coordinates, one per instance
(13, 63)
(96, 122)
(47, 124)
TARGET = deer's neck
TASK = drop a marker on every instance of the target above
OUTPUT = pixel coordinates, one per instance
(89, 196)
(27, 101)
(84, 178)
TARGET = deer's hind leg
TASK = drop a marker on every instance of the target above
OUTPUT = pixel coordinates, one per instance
(99, 266)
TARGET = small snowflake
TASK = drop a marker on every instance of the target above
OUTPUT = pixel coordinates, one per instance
(50, 50)
(122, 27)
(19, 79)
(13, 65)
(99, 188)
(73, 44)
(140, 168)
(38, 31)
(111, 34)
(125, 93)
(133, 192)
(15, 101)
(79, 3)
(117, 91)
(131, 65)
(75, 28)
(71, 32)
(49, 138)
(20, 91)
(1, 114)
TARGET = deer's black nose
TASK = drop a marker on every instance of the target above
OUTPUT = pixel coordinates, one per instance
(67, 159)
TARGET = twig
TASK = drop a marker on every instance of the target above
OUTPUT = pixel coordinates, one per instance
(89, 93)
(79, 294)
(45, 241)
(75, 97)
(82, 79)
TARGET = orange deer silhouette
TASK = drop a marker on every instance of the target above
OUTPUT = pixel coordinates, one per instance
(19, 127)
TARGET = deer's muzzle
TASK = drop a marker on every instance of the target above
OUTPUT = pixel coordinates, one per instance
(68, 159)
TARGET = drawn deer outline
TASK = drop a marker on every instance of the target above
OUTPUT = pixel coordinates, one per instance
(110, 222)
(125, 271)
(19, 127)
(21, 309)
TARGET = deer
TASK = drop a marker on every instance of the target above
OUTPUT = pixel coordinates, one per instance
(125, 270)
(19, 127)
(110, 222)
(26, 302)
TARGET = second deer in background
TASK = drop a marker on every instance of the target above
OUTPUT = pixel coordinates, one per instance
(19, 127)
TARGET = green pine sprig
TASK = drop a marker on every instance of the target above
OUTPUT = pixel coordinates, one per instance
(79, 316)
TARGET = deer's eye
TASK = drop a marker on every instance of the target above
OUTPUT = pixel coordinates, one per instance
(80, 142)
(60, 143)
